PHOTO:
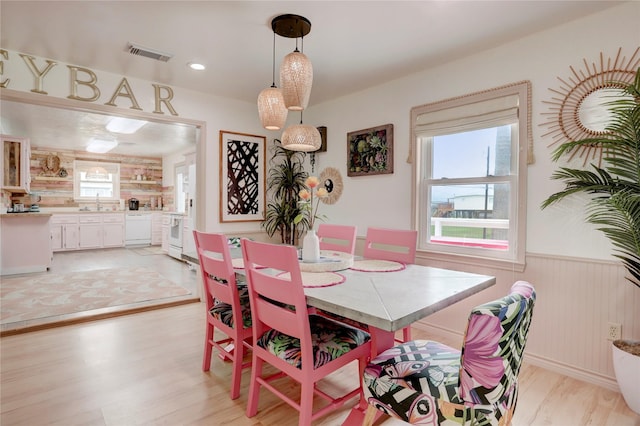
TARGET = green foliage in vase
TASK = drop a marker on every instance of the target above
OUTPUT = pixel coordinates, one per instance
(286, 178)
(613, 186)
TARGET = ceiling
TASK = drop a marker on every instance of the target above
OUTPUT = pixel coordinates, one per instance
(353, 45)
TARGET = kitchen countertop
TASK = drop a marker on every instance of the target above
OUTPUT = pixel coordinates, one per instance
(25, 214)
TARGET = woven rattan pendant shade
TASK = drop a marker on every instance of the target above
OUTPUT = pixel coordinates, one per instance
(296, 78)
(271, 108)
(301, 137)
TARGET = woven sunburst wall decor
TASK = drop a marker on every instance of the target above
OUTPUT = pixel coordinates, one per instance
(331, 179)
(582, 87)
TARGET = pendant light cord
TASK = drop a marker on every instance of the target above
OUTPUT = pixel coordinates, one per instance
(273, 62)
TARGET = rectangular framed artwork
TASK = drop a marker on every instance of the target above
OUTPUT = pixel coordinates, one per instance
(242, 177)
(370, 151)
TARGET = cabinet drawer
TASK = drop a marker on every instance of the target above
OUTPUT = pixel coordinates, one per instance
(91, 219)
(63, 219)
(113, 218)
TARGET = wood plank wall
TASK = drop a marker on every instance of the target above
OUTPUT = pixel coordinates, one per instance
(57, 191)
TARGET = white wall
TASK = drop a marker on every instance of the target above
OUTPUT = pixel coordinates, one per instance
(580, 288)
(540, 58)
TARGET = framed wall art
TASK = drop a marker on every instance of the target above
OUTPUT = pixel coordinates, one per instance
(242, 177)
(370, 151)
(323, 138)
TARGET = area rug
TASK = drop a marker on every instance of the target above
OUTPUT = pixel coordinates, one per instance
(148, 251)
(34, 297)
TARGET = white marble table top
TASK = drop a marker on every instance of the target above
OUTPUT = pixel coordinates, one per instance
(391, 301)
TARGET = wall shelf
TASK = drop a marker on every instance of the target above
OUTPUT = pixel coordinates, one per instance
(53, 178)
(144, 182)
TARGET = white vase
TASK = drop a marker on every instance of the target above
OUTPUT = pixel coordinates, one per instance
(627, 369)
(311, 247)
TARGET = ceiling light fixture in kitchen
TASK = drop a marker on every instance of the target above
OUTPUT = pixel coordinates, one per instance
(196, 66)
(100, 146)
(124, 125)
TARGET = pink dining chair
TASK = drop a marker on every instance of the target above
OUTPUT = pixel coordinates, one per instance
(337, 237)
(227, 306)
(398, 245)
(301, 345)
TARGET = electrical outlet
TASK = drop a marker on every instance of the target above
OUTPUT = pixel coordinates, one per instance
(614, 332)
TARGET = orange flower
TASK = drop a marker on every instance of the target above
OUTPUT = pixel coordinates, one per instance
(304, 194)
(312, 182)
(306, 203)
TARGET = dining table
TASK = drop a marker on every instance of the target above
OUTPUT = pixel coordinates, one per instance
(386, 296)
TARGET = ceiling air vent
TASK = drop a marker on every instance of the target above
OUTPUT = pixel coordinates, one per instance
(136, 49)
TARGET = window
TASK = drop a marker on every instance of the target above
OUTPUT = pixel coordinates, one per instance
(470, 170)
(96, 180)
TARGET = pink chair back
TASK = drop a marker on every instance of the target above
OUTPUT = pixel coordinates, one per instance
(215, 262)
(282, 325)
(272, 296)
(391, 244)
(226, 311)
(337, 237)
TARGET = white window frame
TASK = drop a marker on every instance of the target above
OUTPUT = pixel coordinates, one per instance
(514, 257)
(81, 165)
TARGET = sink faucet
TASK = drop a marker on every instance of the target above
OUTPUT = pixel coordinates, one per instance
(98, 206)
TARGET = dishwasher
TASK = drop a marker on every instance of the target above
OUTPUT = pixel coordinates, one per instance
(137, 229)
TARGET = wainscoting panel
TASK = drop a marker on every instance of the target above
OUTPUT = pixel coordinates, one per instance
(577, 298)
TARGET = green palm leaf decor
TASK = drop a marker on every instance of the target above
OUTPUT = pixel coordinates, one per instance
(614, 186)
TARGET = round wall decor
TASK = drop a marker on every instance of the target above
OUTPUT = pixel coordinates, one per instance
(578, 108)
(331, 180)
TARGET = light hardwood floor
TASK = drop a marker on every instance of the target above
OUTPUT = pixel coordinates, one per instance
(145, 369)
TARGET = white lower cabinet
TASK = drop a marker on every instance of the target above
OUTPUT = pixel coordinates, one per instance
(87, 231)
(90, 231)
(64, 232)
(113, 230)
(156, 228)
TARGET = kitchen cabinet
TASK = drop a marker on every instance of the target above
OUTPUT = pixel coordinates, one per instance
(15, 156)
(87, 231)
(166, 221)
(112, 230)
(90, 231)
(156, 228)
(25, 243)
(64, 232)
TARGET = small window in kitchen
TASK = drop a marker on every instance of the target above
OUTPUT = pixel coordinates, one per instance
(93, 179)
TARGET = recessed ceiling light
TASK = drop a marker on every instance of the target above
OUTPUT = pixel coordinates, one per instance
(196, 66)
(124, 125)
(100, 146)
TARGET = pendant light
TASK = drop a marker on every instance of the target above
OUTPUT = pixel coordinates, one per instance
(271, 108)
(301, 137)
(296, 71)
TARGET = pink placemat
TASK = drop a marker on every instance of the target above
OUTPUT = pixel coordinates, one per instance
(318, 279)
(374, 265)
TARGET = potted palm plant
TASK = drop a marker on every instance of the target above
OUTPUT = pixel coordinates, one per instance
(614, 206)
(285, 179)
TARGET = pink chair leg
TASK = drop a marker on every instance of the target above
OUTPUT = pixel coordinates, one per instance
(237, 371)
(208, 347)
(254, 387)
(306, 403)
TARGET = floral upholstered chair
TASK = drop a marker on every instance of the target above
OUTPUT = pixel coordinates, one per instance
(428, 383)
